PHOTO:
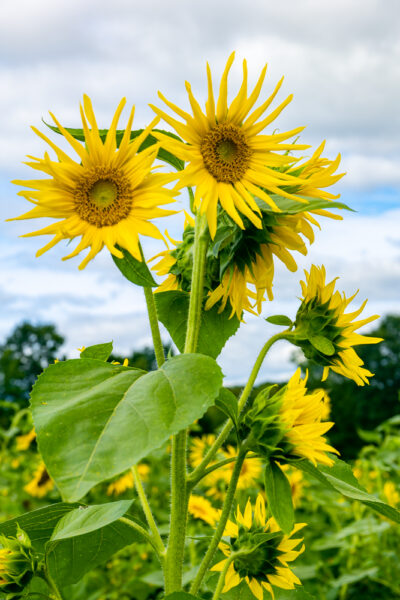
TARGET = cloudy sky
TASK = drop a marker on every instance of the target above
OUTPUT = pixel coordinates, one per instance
(341, 60)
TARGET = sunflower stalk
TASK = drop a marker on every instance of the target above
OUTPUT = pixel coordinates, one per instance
(179, 490)
(226, 509)
(153, 320)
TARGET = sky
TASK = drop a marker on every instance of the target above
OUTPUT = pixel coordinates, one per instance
(341, 60)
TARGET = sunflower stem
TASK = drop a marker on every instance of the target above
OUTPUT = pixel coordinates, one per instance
(226, 509)
(149, 515)
(221, 579)
(198, 473)
(153, 320)
(179, 491)
(52, 585)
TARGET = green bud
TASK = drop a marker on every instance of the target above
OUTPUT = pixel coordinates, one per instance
(17, 563)
(261, 425)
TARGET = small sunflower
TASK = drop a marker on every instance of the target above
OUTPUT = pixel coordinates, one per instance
(229, 162)
(201, 508)
(199, 447)
(249, 473)
(265, 565)
(127, 481)
(24, 441)
(107, 196)
(391, 494)
(41, 483)
(300, 415)
(322, 315)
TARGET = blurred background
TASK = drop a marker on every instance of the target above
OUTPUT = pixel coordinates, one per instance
(342, 62)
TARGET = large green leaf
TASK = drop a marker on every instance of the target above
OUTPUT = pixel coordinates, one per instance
(38, 524)
(215, 329)
(87, 537)
(340, 477)
(94, 419)
(279, 495)
(134, 270)
(163, 154)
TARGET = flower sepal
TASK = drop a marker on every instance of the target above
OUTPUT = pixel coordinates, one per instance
(17, 563)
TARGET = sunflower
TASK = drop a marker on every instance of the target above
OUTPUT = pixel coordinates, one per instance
(24, 441)
(322, 315)
(201, 508)
(127, 481)
(229, 162)
(249, 473)
(240, 263)
(107, 196)
(199, 446)
(41, 483)
(264, 566)
(300, 415)
(391, 494)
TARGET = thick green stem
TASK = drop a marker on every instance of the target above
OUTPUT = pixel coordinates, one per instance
(221, 579)
(226, 509)
(147, 511)
(153, 320)
(198, 473)
(155, 330)
(179, 492)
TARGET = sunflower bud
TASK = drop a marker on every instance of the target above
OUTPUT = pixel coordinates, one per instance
(261, 426)
(17, 563)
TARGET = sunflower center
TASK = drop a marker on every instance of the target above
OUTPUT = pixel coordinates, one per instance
(103, 193)
(103, 197)
(226, 153)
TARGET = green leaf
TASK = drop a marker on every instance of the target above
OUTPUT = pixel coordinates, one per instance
(289, 206)
(99, 351)
(228, 404)
(280, 320)
(86, 538)
(215, 329)
(38, 524)
(340, 477)
(163, 154)
(322, 344)
(181, 596)
(278, 491)
(94, 419)
(353, 576)
(135, 270)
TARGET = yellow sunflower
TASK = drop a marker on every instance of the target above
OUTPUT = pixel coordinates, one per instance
(391, 494)
(322, 315)
(127, 481)
(41, 483)
(107, 196)
(199, 447)
(250, 471)
(267, 564)
(24, 441)
(229, 162)
(201, 508)
(300, 415)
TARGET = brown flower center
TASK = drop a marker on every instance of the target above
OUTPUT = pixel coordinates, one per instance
(226, 153)
(103, 197)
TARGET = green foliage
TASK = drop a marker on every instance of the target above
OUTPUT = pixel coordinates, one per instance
(85, 538)
(280, 320)
(340, 478)
(228, 404)
(279, 495)
(98, 351)
(215, 329)
(135, 271)
(78, 425)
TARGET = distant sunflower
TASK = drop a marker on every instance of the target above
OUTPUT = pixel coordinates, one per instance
(41, 483)
(228, 160)
(107, 196)
(267, 564)
(24, 441)
(300, 416)
(199, 447)
(249, 473)
(201, 508)
(321, 314)
(127, 481)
